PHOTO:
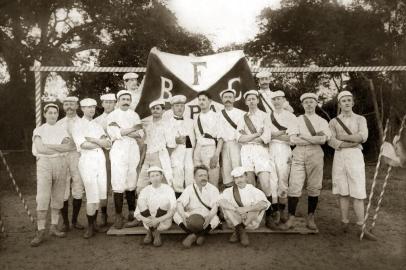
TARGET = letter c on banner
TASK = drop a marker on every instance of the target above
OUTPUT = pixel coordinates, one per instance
(230, 86)
(166, 88)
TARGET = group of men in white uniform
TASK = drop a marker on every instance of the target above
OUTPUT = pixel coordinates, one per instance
(173, 163)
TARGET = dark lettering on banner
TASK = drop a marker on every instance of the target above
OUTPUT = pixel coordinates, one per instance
(194, 109)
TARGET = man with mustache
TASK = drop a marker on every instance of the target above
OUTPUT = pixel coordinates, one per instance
(243, 205)
(108, 103)
(70, 106)
(160, 141)
(196, 211)
(123, 127)
(90, 139)
(266, 93)
(254, 133)
(310, 132)
(229, 117)
(349, 131)
(182, 155)
(208, 144)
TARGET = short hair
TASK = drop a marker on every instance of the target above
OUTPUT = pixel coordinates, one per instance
(200, 167)
(204, 93)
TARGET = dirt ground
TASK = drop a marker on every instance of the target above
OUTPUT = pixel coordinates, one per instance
(330, 249)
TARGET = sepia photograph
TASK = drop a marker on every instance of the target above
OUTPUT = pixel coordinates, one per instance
(202, 134)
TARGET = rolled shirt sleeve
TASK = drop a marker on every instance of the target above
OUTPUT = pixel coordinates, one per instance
(333, 141)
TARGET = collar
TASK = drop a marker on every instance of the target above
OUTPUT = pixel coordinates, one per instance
(177, 118)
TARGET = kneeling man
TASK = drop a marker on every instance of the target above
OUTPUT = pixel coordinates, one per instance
(156, 206)
(243, 205)
(196, 211)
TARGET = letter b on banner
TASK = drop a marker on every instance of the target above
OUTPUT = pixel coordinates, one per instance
(166, 88)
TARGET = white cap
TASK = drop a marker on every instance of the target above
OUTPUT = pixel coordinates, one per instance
(263, 74)
(177, 99)
(53, 105)
(157, 102)
(250, 92)
(238, 171)
(154, 169)
(123, 92)
(343, 94)
(109, 97)
(278, 93)
(308, 95)
(71, 99)
(87, 102)
(226, 91)
(130, 75)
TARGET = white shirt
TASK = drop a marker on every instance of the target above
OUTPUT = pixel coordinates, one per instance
(319, 124)
(49, 134)
(250, 196)
(286, 119)
(210, 196)
(125, 119)
(227, 132)
(210, 126)
(67, 123)
(151, 198)
(102, 120)
(85, 128)
(182, 128)
(260, 120)
(159, 135)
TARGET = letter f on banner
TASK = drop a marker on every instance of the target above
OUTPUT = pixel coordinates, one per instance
(196, 71)
(166, 87)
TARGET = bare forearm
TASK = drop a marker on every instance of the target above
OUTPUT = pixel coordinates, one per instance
(89, 146)
(247, 138)
(61, 148)
(348, 144)
(257, 207)
(356, 138)
(314, 139)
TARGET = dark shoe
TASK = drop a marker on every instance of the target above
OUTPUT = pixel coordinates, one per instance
(78, 226)
(53, 231)
(157, 238)
(244, 240)
(90, 227)
(38, 239)
(234, 238)
(200, 240)
(118, 221)
(270, 223)
(345, 227)
(133, 223)
(310, 224)
(130, 216)
(148, 238)
(103, 218)
(284, 217)
(288, 224)
(189, 240)
(64, 227)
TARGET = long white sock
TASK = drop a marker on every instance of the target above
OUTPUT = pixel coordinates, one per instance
(344, 207)
(55, 216)
(359, 210)
(41, 219)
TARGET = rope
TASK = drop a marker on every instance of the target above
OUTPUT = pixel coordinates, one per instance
(254, 69)
(371, 194)
(17, 189)
(385, 181)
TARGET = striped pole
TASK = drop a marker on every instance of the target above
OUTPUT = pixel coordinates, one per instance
(38, 117)
(385, 181)
(371, 193)
(17, 189)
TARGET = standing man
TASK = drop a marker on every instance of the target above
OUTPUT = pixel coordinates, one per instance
(196, 211)
(50, 145)
(243, 205)
(265, 93)
(349, 131)
(131, 85)
(310, 133)
(182, 156)
(228, 120)
(160, 141)
(108, 103)
(123, 127)
(90, 139)
(70, 106)
(282, 123)
(254, 133)
(208, 144)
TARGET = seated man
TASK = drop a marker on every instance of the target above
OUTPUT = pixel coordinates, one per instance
(243, 205)
(156, 206)
(196, 211)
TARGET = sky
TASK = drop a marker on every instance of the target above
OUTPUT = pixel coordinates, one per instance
(222, 21)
